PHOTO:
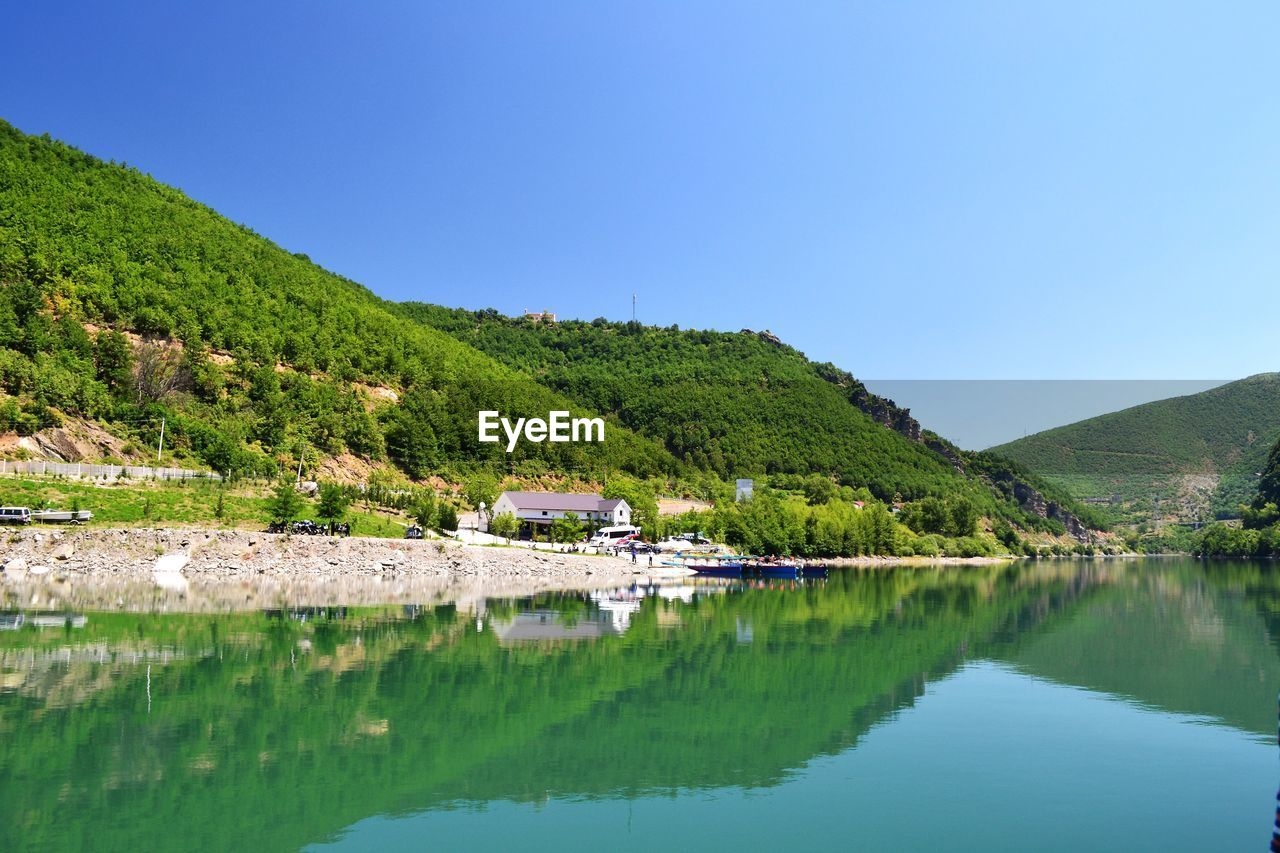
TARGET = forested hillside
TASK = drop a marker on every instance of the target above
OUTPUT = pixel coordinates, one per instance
(735, 404)
(252, 354)
(125, 305)
(1185, 458)
(744, 403)
(1259, 532)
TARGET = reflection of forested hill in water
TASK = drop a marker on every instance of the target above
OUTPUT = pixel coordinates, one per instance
(246, 738)
(1187, 641)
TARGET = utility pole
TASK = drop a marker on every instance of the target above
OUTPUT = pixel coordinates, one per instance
(160, 447)
(301, 451)
(633, 306)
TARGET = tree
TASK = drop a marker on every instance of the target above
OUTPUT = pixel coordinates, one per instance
(481, 488)
(362, 436)
(504, 525)
(285, 503)
(1269, 483)
(818, 489)
(930, 516)
(447, 518)
(639, 496)
(155, 372)
(1260, 517)
(425, 511)
(334, 501)
(112, 363)
(205, 377)
(964, 517)
(567, 529)
(884, 534)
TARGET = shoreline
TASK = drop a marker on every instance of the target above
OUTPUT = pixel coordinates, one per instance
(184, 569)
(203, 569)
(885, 562)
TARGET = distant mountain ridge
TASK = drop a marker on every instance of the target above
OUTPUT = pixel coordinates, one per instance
(1185, 458)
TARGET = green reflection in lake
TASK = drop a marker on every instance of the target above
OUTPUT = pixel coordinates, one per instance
(275, 731)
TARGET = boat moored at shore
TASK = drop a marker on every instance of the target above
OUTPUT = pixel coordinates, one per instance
(744, 565)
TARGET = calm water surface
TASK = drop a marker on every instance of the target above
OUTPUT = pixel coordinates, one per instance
(1070, 705)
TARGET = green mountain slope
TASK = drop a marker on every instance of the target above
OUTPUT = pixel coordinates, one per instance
(732, 404)
(88, 242)
(1181, 458)
(125, 304)
(745, 404)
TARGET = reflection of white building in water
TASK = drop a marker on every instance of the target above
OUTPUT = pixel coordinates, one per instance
(540, 626)
(614, 609)
(611, 616)
(620, 605)
(676, 593)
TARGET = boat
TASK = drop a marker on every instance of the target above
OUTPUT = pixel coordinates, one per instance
(778, 570)
(712, 565)
(60, 516)
(726, 569)
(747, 566)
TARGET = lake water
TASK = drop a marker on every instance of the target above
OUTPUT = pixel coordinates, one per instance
(1062, 705)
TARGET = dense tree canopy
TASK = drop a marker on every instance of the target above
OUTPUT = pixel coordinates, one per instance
(250, 352)
(124, 302)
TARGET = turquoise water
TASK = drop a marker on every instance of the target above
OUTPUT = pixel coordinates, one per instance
(1066, 705)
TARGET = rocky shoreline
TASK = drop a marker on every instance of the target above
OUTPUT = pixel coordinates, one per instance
(178, 569)
(145, 568)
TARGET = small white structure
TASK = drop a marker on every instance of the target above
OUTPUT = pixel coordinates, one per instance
(541, 508)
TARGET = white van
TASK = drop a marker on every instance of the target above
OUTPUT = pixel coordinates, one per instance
(609, 537)
(15, 515)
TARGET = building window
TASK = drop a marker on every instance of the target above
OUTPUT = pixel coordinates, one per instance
(544, 512)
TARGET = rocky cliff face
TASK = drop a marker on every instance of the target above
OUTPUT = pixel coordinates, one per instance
(991, 470)
(899, 419)
(1032, 501)
(74, 441)
(879, 409)
(946, 450)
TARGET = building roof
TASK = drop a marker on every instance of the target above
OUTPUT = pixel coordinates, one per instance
(561, 502)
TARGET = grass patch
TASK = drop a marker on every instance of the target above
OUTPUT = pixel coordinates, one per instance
(131, 503)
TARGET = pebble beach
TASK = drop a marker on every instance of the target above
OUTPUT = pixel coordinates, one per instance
(192, 569)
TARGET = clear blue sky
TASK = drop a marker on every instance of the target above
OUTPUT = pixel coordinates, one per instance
(911, 190)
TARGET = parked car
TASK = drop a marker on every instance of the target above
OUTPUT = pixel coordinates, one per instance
(306, 527)
(15, 515)
(414, 532)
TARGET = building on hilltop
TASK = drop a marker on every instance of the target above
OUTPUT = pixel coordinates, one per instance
(543, 316)
(537, 510)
